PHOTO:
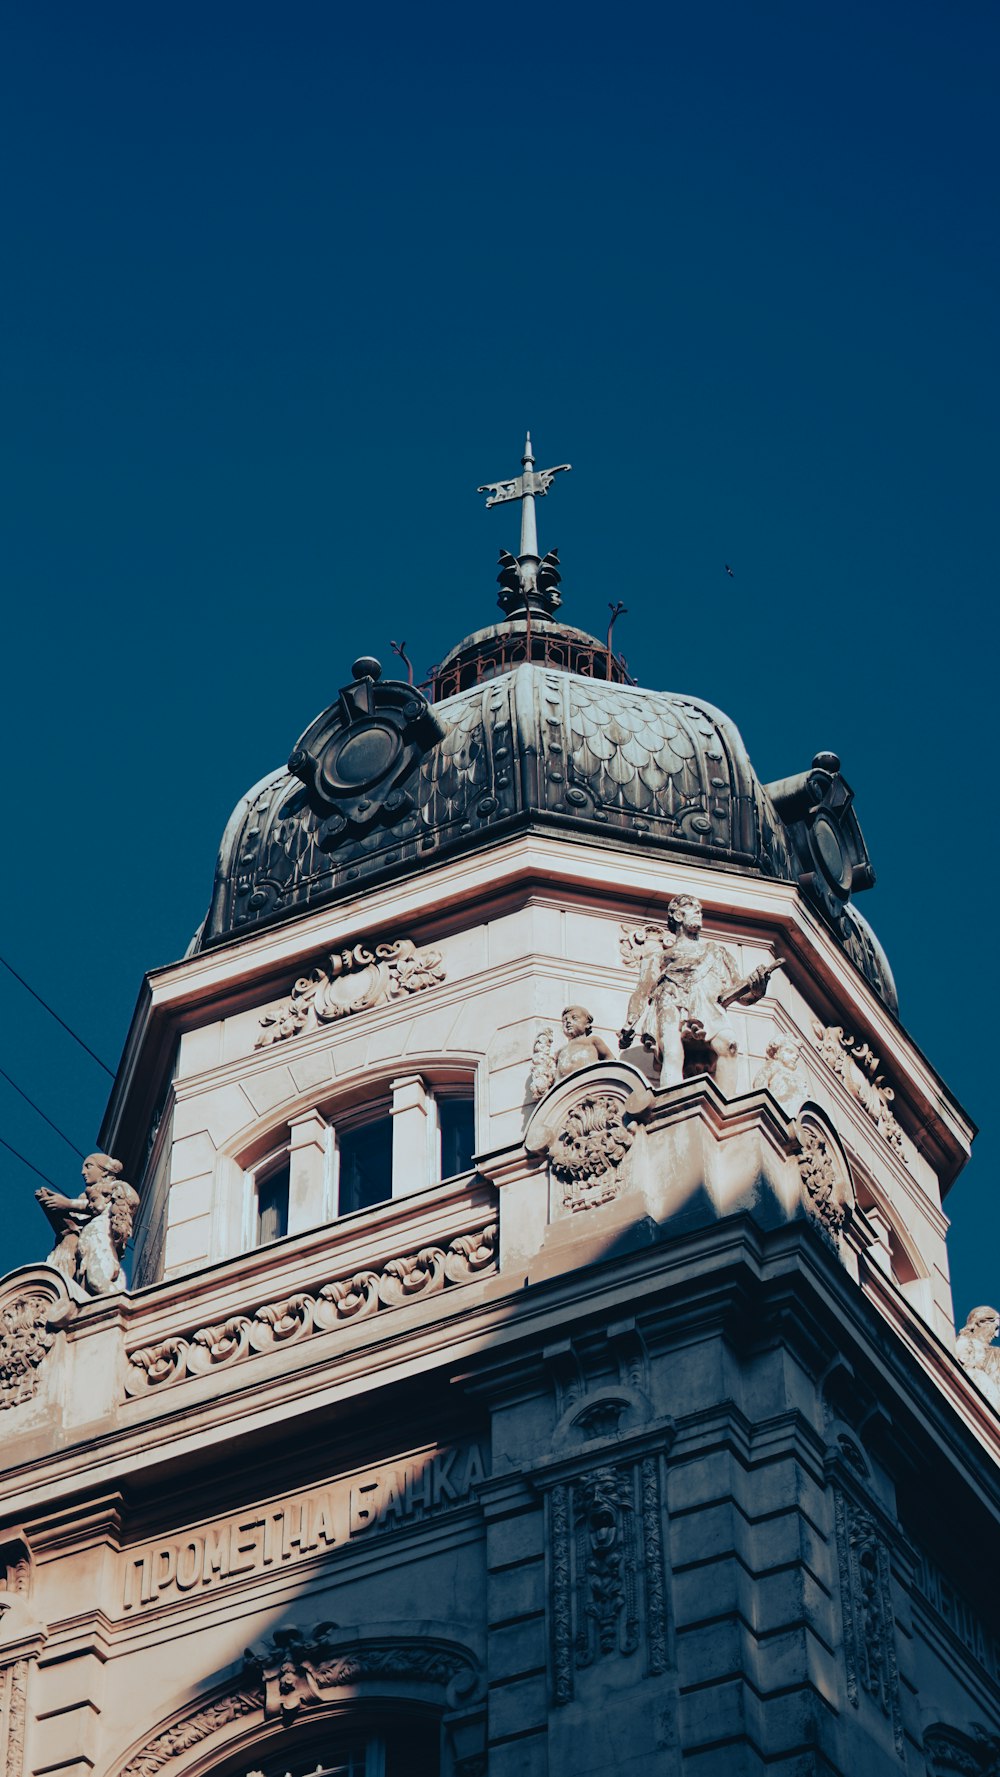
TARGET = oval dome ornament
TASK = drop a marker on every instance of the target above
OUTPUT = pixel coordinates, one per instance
(355, 759)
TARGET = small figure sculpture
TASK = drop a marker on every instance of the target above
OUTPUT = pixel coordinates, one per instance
(581, 1049)
(95, 1228)
(679, 1006)
(977, 1353)
(781, 1073)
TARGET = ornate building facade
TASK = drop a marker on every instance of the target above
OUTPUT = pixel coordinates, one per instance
(539, 1355)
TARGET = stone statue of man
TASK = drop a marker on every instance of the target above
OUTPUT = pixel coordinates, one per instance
(94, 1228)
(685, 987)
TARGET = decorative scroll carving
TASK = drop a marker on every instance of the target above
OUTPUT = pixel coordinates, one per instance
(349, 981)
(24, 1341)
(562, 1612)
(606, 1546)
(211, 1347)
(978, 1355)
(580, 1050)
(305, 1314)
(655, 1571)
(200, 1725)
(350, 1298)
(972, 1755)
(415, 1274)
(827, 1192)
(299, 1667)
(866, 1600)
(281, 1323)
(472, 1254)
(543, 1064)
(782, 1075)
(687, 983)
(295, 1671)
(152, 1365)
(15, 1573)
(94, 1228)
(857, 1065)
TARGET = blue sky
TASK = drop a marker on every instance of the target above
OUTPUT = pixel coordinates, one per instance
(281, 287)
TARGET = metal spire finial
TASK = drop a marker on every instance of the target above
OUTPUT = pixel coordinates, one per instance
(532, 485)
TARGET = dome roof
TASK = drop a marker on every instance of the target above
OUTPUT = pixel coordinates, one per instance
(385, 780)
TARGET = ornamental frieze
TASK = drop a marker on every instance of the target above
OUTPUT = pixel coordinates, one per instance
(305, 1314)
(856, 1064)
(352, 980)
(316, 1522)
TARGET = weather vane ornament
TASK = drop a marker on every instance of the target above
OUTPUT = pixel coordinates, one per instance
(529, 583)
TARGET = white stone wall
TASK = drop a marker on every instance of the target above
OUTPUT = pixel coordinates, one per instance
(509, 971)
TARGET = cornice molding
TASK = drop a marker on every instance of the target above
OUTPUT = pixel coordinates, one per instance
(783, 1285)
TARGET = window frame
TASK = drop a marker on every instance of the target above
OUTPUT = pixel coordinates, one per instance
(388, 1101)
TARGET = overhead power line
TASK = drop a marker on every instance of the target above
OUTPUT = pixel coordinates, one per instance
(28, 1163)
(38, 1109)
(55, 1015)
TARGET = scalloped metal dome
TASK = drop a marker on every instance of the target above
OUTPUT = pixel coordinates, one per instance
(383, 782)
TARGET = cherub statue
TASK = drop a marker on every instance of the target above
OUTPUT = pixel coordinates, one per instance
(95, 1228)
(580, 1049)
(977, 1353)
(781, 1073)
(686, 985)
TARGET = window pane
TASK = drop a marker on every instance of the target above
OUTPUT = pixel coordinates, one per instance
(456, 1117)
(365, 1165)
(272, 1206)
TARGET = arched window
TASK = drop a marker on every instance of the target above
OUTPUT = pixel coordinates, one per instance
(342, 1159)
(400, 1747)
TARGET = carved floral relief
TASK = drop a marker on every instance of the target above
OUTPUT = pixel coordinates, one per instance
(351, 980)
(586, 1129)
(827, 1192)
(857, 1065)
(24, 1342)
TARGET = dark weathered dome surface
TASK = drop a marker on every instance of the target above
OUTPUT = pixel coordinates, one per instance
(384, 781)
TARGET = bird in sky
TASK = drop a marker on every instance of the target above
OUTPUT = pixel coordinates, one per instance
(729, 571)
